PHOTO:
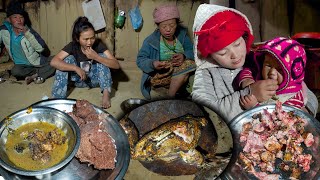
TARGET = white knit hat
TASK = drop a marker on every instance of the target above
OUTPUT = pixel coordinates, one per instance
(205, 12)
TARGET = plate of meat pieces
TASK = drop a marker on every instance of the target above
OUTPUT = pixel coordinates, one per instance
(274, 141)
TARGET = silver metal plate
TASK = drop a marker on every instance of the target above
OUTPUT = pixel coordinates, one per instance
(44, 114)
(234, 172)
(77, 170)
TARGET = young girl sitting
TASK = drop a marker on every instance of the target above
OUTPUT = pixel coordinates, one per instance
(84, 47)
(283, 60)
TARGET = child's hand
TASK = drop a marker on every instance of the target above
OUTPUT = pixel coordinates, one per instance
(248, 101)
(264, 89)
(246, 83)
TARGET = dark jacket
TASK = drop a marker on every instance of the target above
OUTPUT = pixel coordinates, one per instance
(150, 52)
(32, 44)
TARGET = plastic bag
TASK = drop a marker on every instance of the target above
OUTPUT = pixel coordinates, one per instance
(119, 19)
(135, 17)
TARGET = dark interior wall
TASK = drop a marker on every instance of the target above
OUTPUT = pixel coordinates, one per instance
(271, 18)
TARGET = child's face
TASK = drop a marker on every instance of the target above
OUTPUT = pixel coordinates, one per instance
(271, 69)
(232, 56)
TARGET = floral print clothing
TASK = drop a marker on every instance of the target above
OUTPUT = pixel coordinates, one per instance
(98, 76)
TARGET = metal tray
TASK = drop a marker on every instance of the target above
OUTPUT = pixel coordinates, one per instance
(77, 170)
(151, 115)
(234, 172)
(44, 114)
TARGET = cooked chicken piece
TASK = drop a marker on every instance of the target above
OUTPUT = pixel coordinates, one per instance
(192, 157)
(246, 162)
(20, 147)
(300, 127)
(45, 157)
(267, 156)
(284, 167)
(41, 143)
(246, 127)
(170, 140)
(298, 149)
(24, 135)
(309, 140)
(287, 157)
(56, 138)
(258, 128)
(304, 161)
(296, 172)
(37, 135)
(273, 145)
(47, 146)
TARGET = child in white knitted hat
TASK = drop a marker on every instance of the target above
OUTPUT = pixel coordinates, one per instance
(223, 37)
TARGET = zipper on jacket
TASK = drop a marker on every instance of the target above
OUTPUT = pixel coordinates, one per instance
(26, 46)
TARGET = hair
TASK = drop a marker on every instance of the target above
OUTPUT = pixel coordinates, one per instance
(178, 21)
(80, 25)
(245, 36)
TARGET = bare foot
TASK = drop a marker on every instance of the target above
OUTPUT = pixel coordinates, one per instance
(29, 79)
(105, 100)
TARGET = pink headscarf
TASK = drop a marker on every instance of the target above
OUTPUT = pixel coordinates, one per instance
(165, 12)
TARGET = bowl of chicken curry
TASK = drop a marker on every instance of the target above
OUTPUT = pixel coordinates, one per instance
(37, 141)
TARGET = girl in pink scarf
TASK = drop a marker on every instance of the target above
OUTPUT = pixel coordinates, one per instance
(280, 59)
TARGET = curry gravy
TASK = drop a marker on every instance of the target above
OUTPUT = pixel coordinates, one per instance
(24, 160)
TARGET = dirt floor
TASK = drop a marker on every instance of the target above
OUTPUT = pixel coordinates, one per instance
(17, 95)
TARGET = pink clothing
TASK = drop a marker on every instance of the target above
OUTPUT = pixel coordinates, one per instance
(292, 58)
(165, 12)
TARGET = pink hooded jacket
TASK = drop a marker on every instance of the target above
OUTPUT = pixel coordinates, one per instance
(292, 58)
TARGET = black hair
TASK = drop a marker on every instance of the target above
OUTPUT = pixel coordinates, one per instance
(80, 25)
(15, 7)
(246, 36)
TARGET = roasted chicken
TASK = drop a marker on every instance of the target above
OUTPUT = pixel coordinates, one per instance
(175, 139)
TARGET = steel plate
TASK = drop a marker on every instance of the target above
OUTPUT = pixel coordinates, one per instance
(233, 171)
(44, 114)
(77, 170)
(150, 115)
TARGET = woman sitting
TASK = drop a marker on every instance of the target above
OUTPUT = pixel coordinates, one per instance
(166, 56)
(86, 61)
